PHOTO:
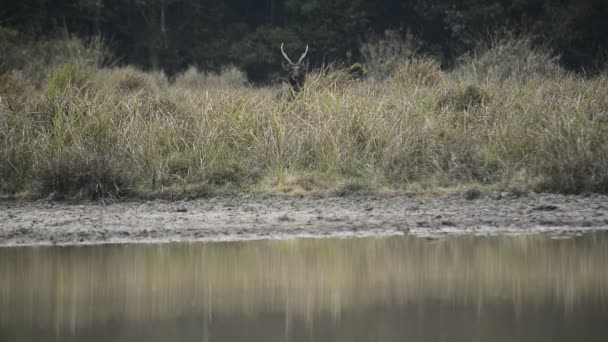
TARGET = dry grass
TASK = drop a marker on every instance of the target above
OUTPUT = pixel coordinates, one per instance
(88, 131)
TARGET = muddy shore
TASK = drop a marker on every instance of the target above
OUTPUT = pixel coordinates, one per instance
(251, 217)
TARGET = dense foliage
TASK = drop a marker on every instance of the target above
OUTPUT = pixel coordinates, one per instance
(174, 34)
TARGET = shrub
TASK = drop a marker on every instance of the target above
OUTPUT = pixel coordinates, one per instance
(507, 57)
(35, 58)
(82, 172)
(383, 55)
(357, 71)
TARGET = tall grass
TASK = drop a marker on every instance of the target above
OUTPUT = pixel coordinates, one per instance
(384, 54)
(508, 56)
(89, 131)
(35, 58)
(230, 77)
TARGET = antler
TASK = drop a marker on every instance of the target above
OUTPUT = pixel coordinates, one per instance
(285, 55)
(303, 55)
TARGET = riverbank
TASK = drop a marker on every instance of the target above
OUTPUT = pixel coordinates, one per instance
(252, 217)
(79, 130)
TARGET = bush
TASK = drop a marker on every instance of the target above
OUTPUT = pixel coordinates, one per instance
(508, 57)
(34, 58)
(383, 55)
(81, 172)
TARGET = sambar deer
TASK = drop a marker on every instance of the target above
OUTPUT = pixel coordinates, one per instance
(296, 72)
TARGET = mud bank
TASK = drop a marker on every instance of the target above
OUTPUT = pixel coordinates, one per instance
(250, 217)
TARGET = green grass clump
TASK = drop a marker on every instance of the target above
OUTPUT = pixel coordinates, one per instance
(86, 131)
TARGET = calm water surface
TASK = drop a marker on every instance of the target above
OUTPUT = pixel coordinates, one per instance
(525, 288)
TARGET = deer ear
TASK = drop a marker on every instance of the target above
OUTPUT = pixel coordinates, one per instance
(285, 65)
(306, 65)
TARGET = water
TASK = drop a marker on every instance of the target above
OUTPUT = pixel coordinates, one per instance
(523, 288)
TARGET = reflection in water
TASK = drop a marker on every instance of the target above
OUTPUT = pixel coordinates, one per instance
(525, 288)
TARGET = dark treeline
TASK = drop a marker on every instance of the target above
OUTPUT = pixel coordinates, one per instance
(173, 34)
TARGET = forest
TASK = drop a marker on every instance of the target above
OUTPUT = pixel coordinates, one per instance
(171, 35)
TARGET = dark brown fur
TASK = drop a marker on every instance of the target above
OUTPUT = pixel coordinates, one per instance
(296, 72)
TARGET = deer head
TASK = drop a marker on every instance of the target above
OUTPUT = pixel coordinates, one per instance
(296, 72)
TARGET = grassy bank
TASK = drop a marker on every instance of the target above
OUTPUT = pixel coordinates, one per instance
(506, 118)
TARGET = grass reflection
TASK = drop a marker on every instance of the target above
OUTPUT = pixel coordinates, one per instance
(71, 286)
